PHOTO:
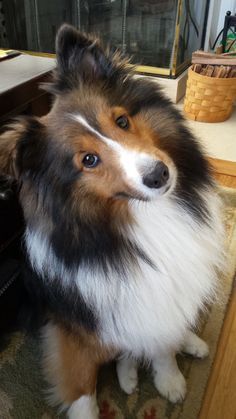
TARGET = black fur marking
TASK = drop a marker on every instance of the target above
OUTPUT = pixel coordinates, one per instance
(194, 173)
(94, 245)
(64, 305)
(136, 95)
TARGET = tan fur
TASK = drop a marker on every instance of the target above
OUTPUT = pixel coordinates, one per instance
(72, 362)
(139, 136)
(8, 141)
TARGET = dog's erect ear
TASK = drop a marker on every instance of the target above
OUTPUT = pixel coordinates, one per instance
(19, 147)
(79, 59)
(77, 52)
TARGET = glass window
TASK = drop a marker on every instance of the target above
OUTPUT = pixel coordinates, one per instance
(159, 33)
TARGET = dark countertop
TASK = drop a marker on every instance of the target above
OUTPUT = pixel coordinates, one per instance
(19, 70)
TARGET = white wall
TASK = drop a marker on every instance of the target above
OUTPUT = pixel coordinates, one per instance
(217, 12)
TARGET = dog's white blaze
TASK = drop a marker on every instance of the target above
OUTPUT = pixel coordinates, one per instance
(132, 163)
(151, 310)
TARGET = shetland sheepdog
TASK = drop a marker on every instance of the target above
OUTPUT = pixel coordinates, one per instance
(123, 226)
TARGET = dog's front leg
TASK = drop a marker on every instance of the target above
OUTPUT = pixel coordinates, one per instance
(168, 379)
(127, 373)
(71, 364)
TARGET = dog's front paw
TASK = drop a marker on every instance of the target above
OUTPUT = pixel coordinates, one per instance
(195, 346)
(171, 386)
(84, 408)
(127, 375)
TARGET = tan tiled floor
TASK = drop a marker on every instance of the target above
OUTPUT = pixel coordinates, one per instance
(218, 139)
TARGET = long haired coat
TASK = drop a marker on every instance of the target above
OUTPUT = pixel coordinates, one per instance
(123, 230)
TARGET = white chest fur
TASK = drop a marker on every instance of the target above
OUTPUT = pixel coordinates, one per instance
(153, 307)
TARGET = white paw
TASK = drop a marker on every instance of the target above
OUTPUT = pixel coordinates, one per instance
(171, 386)
(84, 408)
(129, 381)
(127, 375)
(196, 347)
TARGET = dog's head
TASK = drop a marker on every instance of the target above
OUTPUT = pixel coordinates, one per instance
(110, 136)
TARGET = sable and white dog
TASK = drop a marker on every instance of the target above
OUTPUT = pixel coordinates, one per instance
(123, 229)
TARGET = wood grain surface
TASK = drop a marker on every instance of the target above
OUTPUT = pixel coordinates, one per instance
(220, 397)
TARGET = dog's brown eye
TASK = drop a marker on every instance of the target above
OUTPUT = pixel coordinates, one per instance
(123, 122)
(90, 160)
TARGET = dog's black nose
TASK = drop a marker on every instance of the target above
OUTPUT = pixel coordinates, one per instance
(157, 177)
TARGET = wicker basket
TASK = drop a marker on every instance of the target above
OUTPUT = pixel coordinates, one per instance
(209, 99)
